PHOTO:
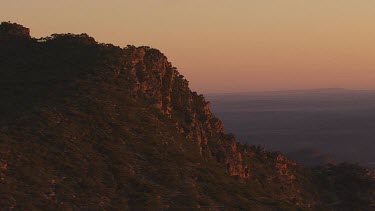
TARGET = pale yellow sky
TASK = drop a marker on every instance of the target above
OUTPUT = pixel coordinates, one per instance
(227, 46)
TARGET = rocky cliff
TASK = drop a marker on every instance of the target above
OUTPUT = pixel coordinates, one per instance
(89, 125)
(157, 81)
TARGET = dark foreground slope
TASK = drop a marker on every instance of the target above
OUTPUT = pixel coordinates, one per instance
(94, 126)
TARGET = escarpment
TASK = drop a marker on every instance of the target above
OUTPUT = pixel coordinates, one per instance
(87, 125)
(156, 80)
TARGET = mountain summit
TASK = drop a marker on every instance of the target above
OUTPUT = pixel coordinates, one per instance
(86, 125)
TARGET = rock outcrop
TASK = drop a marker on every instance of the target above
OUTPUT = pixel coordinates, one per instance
(161, 84)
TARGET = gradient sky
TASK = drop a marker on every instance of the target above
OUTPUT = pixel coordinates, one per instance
(227, 46)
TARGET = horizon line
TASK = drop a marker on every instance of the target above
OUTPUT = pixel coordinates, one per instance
(291, 90)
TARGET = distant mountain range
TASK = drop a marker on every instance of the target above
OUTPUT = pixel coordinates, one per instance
(90, 126)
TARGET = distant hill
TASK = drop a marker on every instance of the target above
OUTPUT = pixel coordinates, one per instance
(88, 126)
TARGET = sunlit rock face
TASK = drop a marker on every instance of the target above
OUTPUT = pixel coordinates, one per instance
(162, 85)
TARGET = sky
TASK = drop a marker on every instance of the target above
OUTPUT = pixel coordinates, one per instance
(227, 46)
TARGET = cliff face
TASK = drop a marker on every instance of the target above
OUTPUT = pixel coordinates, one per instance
(160, 83)
(90, 125)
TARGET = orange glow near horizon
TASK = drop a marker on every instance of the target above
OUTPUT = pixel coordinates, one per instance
(226, 46)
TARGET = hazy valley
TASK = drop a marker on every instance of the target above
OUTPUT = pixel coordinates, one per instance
(326, 125)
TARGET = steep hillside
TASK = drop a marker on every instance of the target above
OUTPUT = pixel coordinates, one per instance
(95, 126)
